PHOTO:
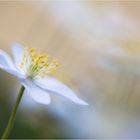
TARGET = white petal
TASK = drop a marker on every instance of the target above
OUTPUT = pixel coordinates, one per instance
(13, 72)
(55, 86)
(7, 65)
(18, 52)
(5, 60)
(38, 94)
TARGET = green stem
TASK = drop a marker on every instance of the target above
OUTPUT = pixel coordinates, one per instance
(13, 115)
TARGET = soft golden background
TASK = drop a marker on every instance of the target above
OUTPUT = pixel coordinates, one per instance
(98, 47)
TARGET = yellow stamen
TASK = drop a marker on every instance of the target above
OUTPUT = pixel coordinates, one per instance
(32, 50)
(37, 64)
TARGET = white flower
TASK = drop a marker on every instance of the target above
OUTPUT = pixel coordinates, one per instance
(33, 70)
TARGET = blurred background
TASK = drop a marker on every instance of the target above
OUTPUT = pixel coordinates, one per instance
(98, 47)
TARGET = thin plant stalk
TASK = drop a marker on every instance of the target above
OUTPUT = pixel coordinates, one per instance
(13, 115)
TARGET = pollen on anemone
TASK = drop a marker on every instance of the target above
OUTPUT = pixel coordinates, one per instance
(37, 65)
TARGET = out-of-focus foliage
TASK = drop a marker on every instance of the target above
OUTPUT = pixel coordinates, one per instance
(97, 44)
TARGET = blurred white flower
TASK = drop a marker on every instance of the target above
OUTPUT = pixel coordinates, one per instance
(33, 70)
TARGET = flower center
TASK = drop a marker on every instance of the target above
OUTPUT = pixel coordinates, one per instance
(36, 64)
